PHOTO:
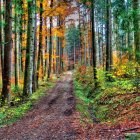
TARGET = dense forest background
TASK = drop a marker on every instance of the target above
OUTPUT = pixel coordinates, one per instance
(98, 39)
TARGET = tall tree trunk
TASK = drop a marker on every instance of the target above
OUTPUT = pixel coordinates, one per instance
(58, 49)
(61, 55)
(27, 90)
(136, 22)
(130, 48)
(74, 54)
(46, 48)
(93, 44)
(50, 44)
(6, 89)
(100, 47)
(20, 36)
(108, 37)
(1, 42)
(40, 51)
(35, 50)
(80, 34)
(16, 46)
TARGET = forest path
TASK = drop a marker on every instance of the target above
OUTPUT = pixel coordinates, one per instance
(52, 118)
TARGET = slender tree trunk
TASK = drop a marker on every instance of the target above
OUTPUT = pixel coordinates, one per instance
(58, 50)
(46, 49)
(74, 50)
(57, 57)
(20, 36)
(40, 51)
(50, 44)
(108, 36)
(93, 45)
(35, 51)
(23, 40)
(130, 48)
(136, 22)
(27, 90)
(88, 40)
(1, 42)
(53, 60)
(100, 47)
(80, 34)
(16, 46)
(61, 55)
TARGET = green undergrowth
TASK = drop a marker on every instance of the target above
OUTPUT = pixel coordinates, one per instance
(82, 103)
(132, 136)
(116, 101)
(14, 113)
(111, 102)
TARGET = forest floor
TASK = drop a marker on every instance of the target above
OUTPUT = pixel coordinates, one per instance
(54, 117)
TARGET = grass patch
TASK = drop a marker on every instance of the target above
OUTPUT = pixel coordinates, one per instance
(12, 114)
(132, 136)
(83, 103)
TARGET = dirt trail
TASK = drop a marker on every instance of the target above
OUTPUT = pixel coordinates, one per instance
(50, 119)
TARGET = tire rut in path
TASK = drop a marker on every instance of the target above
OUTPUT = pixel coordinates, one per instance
(50, 118)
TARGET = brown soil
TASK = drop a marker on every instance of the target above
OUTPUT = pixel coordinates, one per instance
(54, 118)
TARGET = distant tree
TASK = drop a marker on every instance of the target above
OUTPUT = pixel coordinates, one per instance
(72, 38)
